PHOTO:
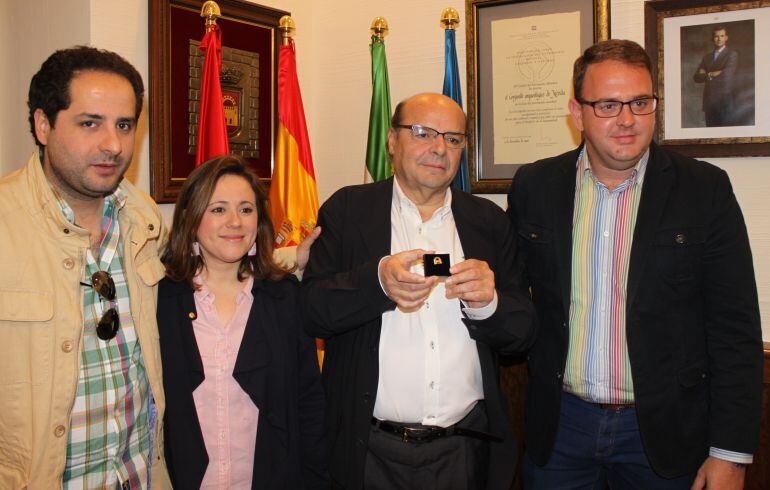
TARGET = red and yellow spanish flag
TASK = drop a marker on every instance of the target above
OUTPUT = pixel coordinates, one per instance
(293, 192)
(212, 129)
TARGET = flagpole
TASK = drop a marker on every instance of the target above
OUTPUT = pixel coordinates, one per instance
(212, 137)
(450, 19)
(287, 27)
(379, 28)
(377, 158)
(211, 12)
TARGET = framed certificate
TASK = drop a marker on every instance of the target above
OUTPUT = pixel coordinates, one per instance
(520, 57)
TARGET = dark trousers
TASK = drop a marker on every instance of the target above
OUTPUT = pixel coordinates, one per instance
(597, 449)
(447, 463)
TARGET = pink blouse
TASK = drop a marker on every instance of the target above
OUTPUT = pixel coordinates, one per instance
(227, 416)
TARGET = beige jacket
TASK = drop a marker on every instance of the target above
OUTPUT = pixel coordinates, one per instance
(41, 320)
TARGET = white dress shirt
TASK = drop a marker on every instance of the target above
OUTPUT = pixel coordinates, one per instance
(429, 366)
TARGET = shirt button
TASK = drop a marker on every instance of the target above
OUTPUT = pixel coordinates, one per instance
(67, 346)
(66, 231)
(150, 227)
(606, 233)
(68, 263)
(432, 345)
(59, 430)
(432, 384)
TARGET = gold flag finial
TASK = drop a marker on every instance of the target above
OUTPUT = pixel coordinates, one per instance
(379, 27)
(287, 27)
(450, 19)
(210, 11)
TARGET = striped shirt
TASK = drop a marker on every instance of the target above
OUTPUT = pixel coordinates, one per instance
(109, 440)
(598, 367)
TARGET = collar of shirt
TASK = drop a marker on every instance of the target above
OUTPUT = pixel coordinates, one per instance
(110, 230)
(206, 296)
(636, 177)
(719, 50)
(406, 207)
(112, 204)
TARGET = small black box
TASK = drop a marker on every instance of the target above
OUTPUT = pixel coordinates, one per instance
(436, 265)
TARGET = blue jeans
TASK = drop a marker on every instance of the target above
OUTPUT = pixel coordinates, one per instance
(597, 449)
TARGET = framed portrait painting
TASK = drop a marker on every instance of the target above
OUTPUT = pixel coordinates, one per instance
(520, 56)
(250, 40)
(711, 79)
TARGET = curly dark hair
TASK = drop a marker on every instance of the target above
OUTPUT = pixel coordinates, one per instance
(181, 264)
(621, 50)
(49, 89)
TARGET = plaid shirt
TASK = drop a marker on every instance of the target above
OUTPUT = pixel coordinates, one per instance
(109, 440)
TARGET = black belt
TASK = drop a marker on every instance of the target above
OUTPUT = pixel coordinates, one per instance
(613, 406)
(427, 433)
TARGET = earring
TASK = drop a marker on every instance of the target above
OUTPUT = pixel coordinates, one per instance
(196, 249)
(253, 250)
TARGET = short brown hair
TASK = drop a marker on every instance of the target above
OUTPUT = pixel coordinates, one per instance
(49, 89)
(720, 28)
(181, 264)
(620, 50)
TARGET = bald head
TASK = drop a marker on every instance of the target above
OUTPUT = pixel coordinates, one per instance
(422, 102)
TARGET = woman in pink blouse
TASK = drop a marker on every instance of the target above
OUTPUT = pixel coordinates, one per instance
(244, 404)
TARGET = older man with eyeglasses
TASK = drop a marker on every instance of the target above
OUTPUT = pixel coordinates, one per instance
(416, 289)
(647, 369)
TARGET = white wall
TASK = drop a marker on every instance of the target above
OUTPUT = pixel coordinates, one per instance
(29, 32)
(334, 71)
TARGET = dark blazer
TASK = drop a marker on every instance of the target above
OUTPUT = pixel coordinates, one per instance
(719, 91)
(692, 318)
(343, 302)
(276, 366)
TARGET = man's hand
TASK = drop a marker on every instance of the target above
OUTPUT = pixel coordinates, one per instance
(717, 473)
(407, 289)
(303, 249)
(472, 281)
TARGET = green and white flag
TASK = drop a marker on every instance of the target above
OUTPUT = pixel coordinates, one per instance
(377, 158)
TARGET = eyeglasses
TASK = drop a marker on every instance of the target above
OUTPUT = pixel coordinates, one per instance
(428, 135)
(612, 108)
(102, 283)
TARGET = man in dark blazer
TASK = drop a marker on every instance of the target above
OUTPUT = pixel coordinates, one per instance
(717, 71)
(647, 369)
(410, 368)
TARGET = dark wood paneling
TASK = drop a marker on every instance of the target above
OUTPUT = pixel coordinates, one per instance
(758, 474)
(513, 378)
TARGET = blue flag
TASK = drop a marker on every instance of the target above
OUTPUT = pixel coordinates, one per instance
(452, 90)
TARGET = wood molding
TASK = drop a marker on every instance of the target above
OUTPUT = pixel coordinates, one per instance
(758, 474)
